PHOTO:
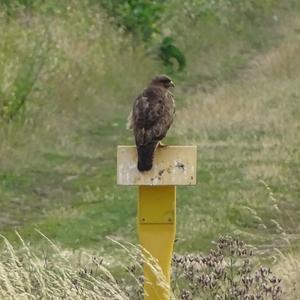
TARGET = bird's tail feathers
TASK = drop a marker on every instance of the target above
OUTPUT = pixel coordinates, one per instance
(145, 156)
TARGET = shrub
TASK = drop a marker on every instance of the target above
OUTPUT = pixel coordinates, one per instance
(139, 17)
(145, 20)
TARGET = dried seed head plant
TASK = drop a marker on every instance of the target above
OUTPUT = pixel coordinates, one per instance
(227, 272)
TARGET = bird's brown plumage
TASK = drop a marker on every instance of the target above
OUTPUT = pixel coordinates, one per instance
(152, 116)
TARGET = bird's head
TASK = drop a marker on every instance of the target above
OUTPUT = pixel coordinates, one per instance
(163, 80)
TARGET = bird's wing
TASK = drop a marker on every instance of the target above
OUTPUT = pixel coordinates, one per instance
(152, 115)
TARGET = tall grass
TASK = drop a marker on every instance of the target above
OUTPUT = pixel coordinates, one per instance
(289, 267)
(51, 273)
(253, 124)
(26, 275)
(229, 271)
(62, 71)
(68, 75)
(65, 67)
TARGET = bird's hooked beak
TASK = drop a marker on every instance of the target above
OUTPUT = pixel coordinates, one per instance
(172, 84)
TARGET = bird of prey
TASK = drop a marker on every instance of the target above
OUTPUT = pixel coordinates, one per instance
(152, 115)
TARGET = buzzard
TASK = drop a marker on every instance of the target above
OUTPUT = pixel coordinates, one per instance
(152, 115)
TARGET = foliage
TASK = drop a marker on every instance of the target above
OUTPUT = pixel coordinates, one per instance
(159, 26)
(168, 52)
(141, 18)
(14, 100)
(145, 21)
(236, 102)
(27, 274)
(229, 11)
(148, 20)
(227, 272)
(289, 269)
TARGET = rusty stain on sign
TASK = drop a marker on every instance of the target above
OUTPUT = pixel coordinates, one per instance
(172, 165)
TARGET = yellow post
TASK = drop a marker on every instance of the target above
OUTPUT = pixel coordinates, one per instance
(175, 165)
(156, 229)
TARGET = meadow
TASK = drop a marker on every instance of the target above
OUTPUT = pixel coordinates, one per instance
(68, 77)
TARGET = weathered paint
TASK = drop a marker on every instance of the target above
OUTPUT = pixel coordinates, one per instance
(156, 221)
(172, 165)
(156, 228)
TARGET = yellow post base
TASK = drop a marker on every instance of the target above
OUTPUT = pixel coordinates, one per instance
(156, 228)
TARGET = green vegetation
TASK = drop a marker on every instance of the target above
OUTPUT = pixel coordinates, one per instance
(68, 76)
(228, 272)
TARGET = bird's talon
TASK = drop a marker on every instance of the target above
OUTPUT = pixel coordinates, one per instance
(160, 144)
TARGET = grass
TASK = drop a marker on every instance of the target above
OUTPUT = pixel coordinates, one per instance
(228, 270)
(246, 131)
(237, 100)
(289, 270)
(52, 275)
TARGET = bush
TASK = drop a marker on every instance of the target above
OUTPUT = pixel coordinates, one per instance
(139, 17)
